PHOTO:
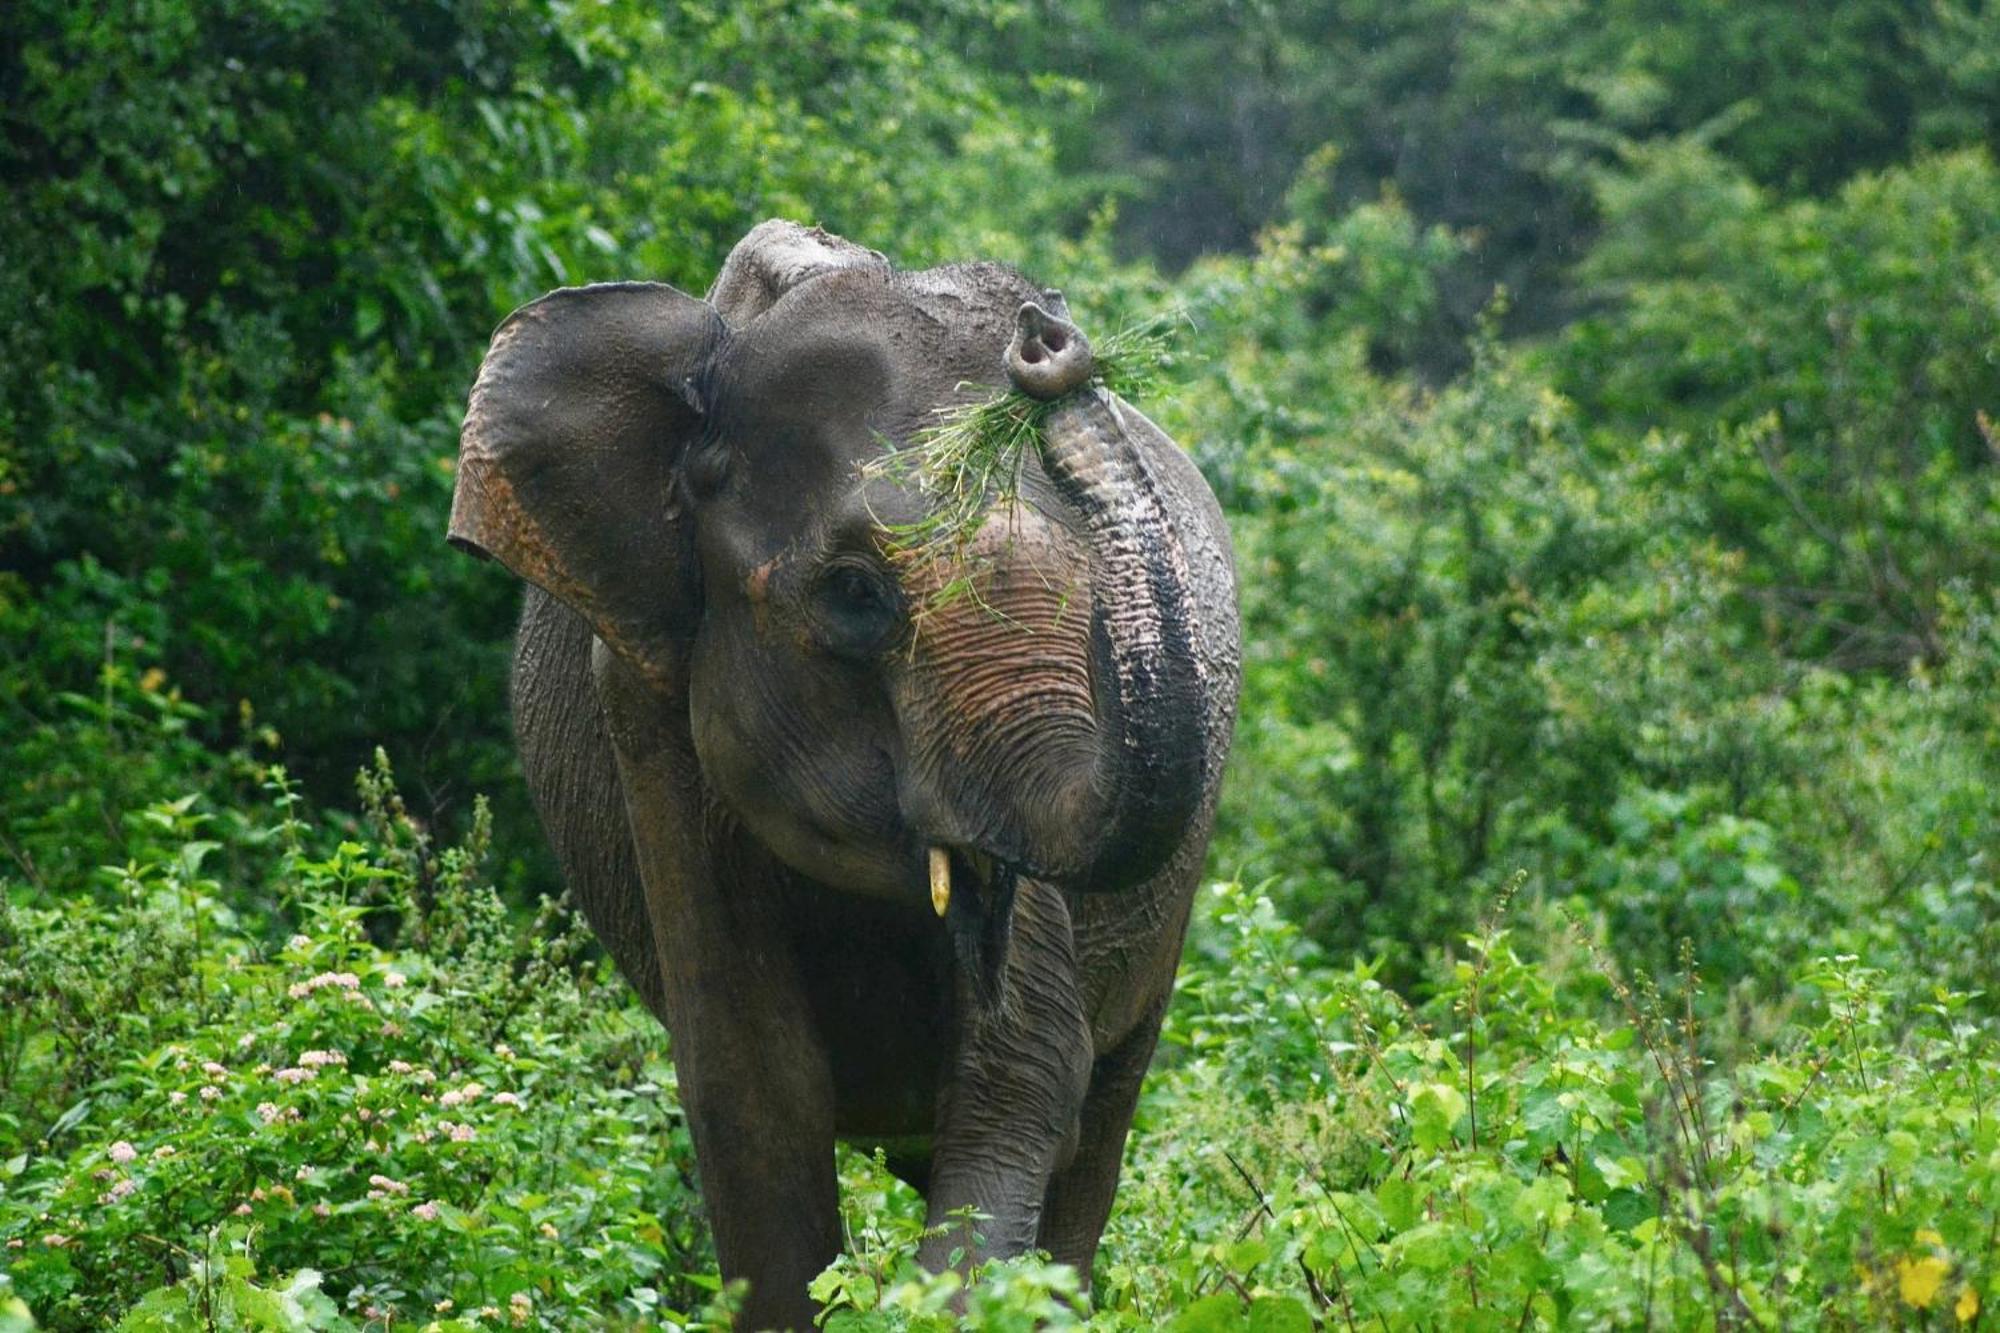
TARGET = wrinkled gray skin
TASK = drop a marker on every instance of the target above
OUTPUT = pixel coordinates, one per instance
(742, 747)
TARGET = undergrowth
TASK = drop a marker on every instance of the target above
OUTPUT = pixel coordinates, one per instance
(391, 1101)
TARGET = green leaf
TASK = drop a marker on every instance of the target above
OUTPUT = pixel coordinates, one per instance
(1221, 1312)
(1279, 1314)
(1434, 1110)
(14, 1316)
(1397, 1198)
(1247, 1253)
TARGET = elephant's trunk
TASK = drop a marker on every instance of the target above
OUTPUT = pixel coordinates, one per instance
(1153, 689)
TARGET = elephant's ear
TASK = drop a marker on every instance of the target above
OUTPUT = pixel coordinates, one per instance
(774, 258)
(566, 462)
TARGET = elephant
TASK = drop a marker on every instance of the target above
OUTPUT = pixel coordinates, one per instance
(768, 754)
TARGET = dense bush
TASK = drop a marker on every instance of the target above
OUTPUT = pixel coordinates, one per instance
(1823, 371)
(411, 1094)
(458, 1127)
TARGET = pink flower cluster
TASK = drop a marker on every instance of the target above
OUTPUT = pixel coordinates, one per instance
(346, 981)
(383, 1186)
(471, 1092)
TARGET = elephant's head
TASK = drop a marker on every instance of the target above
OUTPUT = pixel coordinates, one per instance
(692, 477)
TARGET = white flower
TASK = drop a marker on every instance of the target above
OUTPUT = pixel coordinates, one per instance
(299, 942)
(506, 1099)
(176, 1097)
(382, 1182)
(400, 1066)
(123, 1152)
(268, 1111)
(293, 1075)
(427, 1211)
(214, 1070)
(303, 1173)
(395, 980)
(209, 1092)
(319, 1059)
(164, 1151)
(118, 1191)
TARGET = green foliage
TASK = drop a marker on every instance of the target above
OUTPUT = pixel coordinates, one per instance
(1488, 118)
(1497, 1158)
(225, 1296)
(412, 1091)
(1823, 371)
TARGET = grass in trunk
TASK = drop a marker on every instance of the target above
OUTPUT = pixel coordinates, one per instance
(968, 462)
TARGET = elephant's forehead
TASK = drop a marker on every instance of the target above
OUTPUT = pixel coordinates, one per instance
(820, 374)
(892, 345)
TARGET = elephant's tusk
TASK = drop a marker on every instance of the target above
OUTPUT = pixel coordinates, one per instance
(940, 879)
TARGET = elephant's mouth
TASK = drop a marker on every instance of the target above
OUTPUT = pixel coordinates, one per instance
(974, 892)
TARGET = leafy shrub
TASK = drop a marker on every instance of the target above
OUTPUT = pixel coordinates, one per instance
(466, 1122)
(1510, 1155)
(1823, 368)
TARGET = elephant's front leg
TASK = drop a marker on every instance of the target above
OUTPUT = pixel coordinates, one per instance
(754, 1077)
(1008, 1113)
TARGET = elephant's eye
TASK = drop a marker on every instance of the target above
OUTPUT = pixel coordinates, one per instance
(858, 610)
